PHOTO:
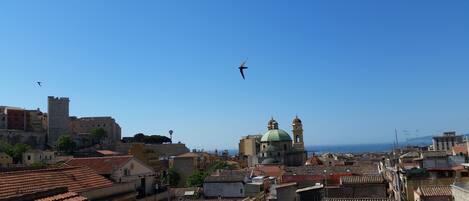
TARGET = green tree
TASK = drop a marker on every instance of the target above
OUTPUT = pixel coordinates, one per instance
(66, 144)
(98, 134)
(173, 177)
(197, 179)
(15, 151)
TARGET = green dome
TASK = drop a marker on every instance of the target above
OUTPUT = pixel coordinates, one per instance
(275, 135)
(269, 161)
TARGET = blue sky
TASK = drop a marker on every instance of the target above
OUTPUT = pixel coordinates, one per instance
(352, 70)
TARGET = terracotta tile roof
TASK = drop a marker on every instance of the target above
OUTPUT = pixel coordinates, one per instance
(268, 170)
(76, 179)
(368, 179)
(460, 148)
(69, 196)
(108, 152)
(430, 191)
(101, 165)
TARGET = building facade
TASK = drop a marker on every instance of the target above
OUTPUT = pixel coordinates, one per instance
(277, 147)
(5, 160)
(13, 118)
(446, 141)
(249, 148)
(38, 156)
(85, 125)
(58, 120)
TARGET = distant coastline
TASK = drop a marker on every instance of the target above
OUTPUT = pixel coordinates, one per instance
(352, 148)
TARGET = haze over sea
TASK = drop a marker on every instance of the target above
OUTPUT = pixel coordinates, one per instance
(352, 148)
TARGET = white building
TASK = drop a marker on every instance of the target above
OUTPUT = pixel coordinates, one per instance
(38, 156)
(446, 141)
(460, 191)
(121, 169)
(225, 185)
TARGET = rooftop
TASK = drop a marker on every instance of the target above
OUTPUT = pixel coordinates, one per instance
(102, 165)
(432, 191)
(76, 179)
(69, 196)
(368, 179)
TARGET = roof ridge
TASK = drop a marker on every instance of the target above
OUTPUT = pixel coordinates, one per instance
(39, 170)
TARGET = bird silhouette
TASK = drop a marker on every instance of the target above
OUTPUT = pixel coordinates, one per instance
(241, 69)
(39, 83)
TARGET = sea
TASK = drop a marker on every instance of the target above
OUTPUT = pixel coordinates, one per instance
(353, 148)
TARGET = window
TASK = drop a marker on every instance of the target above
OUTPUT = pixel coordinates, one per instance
(284, 147)
(29, 157)
(241, 191)
(126, 172)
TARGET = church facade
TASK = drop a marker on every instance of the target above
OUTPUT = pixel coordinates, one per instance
(278, 148)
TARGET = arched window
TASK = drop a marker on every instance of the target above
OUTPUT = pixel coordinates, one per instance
(297, 139)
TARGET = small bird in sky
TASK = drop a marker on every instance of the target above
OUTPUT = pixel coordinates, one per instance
(39, 83)
(241, 69)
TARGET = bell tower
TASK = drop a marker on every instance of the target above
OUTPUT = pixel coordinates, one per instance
(272, 125)
(298, 134)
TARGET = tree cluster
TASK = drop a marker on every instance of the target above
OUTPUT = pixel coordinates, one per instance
(197, 179)
(150, 139)
(15, 151)
(66, 144)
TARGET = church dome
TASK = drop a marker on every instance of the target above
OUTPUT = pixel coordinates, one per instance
(275, 135)
(269, 161)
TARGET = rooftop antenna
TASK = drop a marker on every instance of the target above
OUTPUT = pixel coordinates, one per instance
(397, 141)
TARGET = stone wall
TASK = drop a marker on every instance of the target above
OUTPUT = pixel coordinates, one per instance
(36, 140)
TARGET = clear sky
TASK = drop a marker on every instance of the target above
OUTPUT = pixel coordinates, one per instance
(352, 70)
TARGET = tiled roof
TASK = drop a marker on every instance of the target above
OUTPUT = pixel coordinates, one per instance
(430, 191)
(460, 149)
(69, 196)
(76, 179)
(108, 152)
(268, 170)
(367, 179)
(101, 165)
(353, 192)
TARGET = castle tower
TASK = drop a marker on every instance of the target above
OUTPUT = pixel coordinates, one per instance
(58, 118)
(298, 134)
(272, 124)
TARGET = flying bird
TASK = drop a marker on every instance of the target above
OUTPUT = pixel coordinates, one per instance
(241, 69)
(39, 83)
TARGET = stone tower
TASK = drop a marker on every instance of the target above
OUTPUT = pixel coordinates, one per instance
(272, 124)
(58, 120)
(298, 134)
